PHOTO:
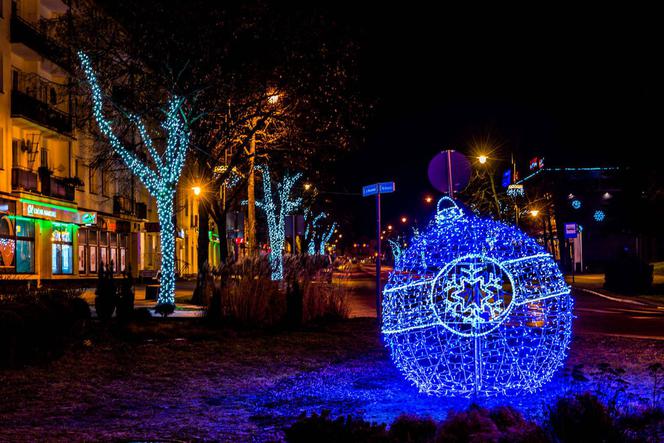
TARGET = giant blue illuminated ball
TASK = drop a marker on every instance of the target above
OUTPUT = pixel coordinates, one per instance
(475, 307)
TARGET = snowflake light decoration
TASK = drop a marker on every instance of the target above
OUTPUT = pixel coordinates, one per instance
(476, 307)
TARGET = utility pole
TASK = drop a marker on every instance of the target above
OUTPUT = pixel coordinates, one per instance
(251, 200)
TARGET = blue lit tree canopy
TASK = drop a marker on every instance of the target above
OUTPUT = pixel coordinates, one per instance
(161, 179)
(476, 307)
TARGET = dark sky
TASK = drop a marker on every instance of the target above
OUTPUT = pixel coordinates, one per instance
(580, 87)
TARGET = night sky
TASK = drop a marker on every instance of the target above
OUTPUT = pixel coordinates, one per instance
(579, 87)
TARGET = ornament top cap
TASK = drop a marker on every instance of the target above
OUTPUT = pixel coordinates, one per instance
(447, 209)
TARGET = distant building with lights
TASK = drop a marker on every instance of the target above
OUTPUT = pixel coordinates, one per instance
(605, 203)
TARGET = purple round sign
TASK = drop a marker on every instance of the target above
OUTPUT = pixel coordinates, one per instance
(448, 165)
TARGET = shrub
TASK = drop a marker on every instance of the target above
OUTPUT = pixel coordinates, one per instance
(322, 429)
(628, 274)
(501, 424)
(37, 325)
(582, 418)
(644, 426)
(106, 297)
(411, 429)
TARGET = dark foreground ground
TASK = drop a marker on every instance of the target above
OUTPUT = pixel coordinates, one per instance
(179, 381)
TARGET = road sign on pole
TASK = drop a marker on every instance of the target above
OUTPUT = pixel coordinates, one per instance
(369, 190)
(571, 230)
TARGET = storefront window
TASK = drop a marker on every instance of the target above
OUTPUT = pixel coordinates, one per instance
(25, 246)
(7, 245)
(62, 249)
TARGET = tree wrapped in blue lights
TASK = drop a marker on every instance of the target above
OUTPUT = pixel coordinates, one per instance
(161, 179)
(276, 215)
(325, 238)
(476, 307)
(310, 232)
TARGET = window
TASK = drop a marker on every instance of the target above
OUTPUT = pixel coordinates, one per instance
(2, 148)
(25, 246)
(104, 183)
(92, 176)
(16, 152)
(44, 158)
(62, 248)
(7, 244)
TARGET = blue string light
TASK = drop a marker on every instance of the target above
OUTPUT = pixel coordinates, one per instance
(476, 307)
(325, 238)
(160, 181)
(310, 232)
(276, 215)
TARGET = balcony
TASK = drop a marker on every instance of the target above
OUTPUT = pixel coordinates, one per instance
(126, 206)
(40, 102)
(58, 187)
(24, 180)
(36, 38)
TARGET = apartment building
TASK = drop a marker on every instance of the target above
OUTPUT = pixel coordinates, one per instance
(59, 217)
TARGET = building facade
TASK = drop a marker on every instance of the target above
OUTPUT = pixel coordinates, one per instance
(61, 218)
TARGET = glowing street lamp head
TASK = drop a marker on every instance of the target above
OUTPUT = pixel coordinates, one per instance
(307, 186)
(482, 159)
(196, 190)
(428, 199)
(389, 227)
(534, 212)
(273, 98)
(404, 219)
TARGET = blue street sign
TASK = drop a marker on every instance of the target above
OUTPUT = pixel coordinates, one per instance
(369, 190)
(378, 188)
(386, 187)
(571, 230)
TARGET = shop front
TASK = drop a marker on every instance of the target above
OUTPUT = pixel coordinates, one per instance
(104, 241)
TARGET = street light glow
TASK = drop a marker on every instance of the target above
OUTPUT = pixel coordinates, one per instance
(404, 219)
(389, 227)
(196, 190)
(534, 212)
(273, 98)
(307, 186)
(482, 159)
(428, 199)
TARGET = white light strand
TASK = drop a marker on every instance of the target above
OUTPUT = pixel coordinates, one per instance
(160, 183)
(325, 238)
(276, 215)
(310, 232)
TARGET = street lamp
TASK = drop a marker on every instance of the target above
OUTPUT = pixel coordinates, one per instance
(428, 199)
(404, 219)
(307, 186)
(534, 212)
(389, 227)
(482, 159)
(196, 190)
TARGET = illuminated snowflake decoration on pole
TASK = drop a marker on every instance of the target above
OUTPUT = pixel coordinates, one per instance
(160, 181)
(475, 307)
(276, 216)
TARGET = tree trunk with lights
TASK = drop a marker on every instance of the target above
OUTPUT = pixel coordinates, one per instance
(160, 180)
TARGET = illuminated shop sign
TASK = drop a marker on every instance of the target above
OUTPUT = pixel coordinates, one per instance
(36, 209)
(88, 218)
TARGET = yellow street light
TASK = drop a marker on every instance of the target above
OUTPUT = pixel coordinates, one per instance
(196, 190)
(273, 98)
(534, 212)
(404, 219)
(482, 159)
(389, 227)
(428, 199)
(307, 186)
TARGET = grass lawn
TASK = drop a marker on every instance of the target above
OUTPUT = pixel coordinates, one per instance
(175, 380)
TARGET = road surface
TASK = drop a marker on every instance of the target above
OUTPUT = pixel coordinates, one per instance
(596, 313)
